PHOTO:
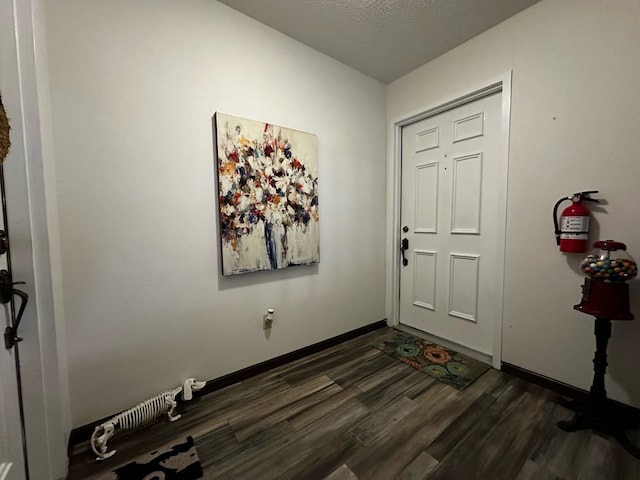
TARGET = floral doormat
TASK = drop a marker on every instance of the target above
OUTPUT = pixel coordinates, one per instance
(448, 366)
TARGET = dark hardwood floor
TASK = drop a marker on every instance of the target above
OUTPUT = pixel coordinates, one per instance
(352, 412)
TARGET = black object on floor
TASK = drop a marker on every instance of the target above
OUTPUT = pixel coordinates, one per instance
(173, 462)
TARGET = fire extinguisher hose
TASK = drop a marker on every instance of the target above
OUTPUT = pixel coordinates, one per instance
(555, 217)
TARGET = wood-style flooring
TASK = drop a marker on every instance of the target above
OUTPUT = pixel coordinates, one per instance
(352, 412)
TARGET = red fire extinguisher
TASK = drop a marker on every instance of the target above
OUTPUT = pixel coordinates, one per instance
(572, 234)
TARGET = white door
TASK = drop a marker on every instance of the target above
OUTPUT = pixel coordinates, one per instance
(11, 448)
(453, 189)
(12, 465)
(11, 443)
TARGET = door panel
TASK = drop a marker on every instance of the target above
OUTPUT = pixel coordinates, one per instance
(11, 441)
(11, 453)
(450, 203)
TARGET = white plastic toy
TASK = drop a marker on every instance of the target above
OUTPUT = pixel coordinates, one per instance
(142, 414)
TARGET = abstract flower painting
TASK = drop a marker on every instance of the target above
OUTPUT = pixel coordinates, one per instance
(267, 195)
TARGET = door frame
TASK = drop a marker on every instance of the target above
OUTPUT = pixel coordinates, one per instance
(501, 84)
(35, 254)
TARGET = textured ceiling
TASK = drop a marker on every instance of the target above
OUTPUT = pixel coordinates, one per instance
(384, 39)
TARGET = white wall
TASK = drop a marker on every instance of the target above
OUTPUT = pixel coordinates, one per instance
(574, 127)
(134, 86)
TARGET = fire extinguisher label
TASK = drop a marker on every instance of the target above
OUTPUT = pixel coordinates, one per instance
(574, 228)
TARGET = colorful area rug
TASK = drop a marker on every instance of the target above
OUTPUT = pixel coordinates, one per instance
(170, 462)
(439, 362)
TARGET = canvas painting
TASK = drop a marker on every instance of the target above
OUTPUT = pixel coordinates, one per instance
(267, 195)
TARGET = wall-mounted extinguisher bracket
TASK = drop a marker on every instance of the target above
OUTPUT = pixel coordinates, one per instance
(572, 231)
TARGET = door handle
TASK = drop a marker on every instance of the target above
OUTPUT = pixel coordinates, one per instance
(404, 246)
(6, 294)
